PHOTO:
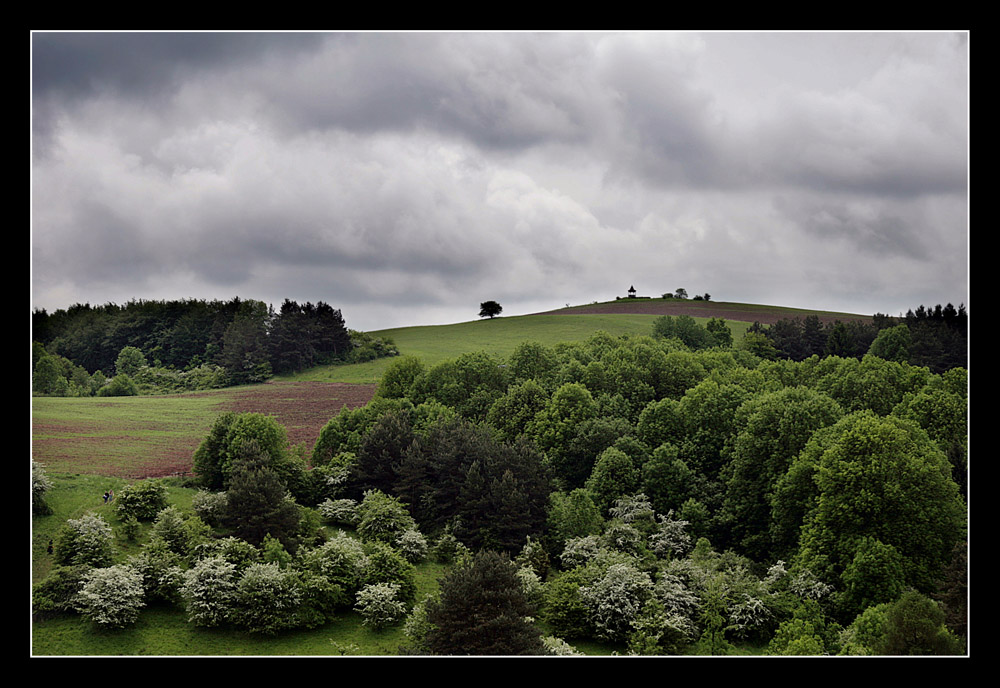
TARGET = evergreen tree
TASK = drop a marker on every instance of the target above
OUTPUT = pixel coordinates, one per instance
(482, 610)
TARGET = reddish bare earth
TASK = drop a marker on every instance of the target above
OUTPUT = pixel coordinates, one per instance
(303, 408)
(701, 309)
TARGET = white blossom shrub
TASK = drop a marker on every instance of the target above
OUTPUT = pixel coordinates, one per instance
(580, 550)
(804, 584)
(632, 509)
(341, 560)
(417, 626)
(210, 506)
(678, 600)
(340, 511)
(379, 605)
(531, 584)
(267, 599)
(412, 545)
(614, 601)
(209, 591)
(670, 538)
(111, 596)
(86, 541)
(559, 647)
(623, 537)
(40, 484)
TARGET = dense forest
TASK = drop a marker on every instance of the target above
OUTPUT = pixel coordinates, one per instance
(192, 344)
(637, 491)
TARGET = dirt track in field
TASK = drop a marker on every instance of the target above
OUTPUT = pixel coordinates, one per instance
(684, 307)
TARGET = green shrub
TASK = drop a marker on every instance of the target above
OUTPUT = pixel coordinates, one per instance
(142, 500)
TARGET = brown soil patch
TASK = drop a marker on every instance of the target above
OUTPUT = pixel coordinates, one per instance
(697, 309)
(303, 408)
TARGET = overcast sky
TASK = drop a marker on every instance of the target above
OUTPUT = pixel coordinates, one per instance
(407, 177)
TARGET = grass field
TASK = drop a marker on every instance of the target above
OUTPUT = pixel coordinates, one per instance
(497, 337)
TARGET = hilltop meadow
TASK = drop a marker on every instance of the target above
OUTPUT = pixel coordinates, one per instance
(640, 477)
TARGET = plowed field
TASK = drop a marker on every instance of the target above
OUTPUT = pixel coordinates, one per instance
(139, 437)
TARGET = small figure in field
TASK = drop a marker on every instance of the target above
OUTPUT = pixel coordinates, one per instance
(111, 496)
(106, 496)
(49, 548)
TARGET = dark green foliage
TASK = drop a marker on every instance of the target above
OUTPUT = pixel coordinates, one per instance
(257, 501)
(684, 328)
(382, 449)
(482, 611)
(460, 472)
(915, 626)
(56, 593)
(489, 309)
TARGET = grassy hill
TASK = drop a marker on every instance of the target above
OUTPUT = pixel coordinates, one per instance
(500, 336)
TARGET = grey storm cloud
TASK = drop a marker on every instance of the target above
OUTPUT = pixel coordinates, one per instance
(392, 170)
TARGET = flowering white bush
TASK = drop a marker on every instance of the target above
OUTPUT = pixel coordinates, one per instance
(379, 605)
(111, 596)
(210, 506)
(209, 591)
(413, 545)
(559, 647)
(85, 540)
(614, 601)
(267, 599)
(40, 484)
(670, 539)
(342, 511)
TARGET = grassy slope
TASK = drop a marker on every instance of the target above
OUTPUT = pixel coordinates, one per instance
(498, 337)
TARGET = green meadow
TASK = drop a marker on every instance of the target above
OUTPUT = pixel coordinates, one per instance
(498, 337)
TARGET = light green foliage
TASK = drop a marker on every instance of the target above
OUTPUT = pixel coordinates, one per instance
(398, 378)
(342, 434)
(111, 597)
(382, 517)
(614, 476)
(161, 570)
(142, 500)
(873, 576)
(892, 344)
(684, 328)
(772, 429)
(511, 413)
(914, 625)
(882, 478)
(555, 424)
(130, 360)
(121, 385)
(572, 516)
(383, 564)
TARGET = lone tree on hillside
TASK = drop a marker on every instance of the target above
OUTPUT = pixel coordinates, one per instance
(489, 309)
